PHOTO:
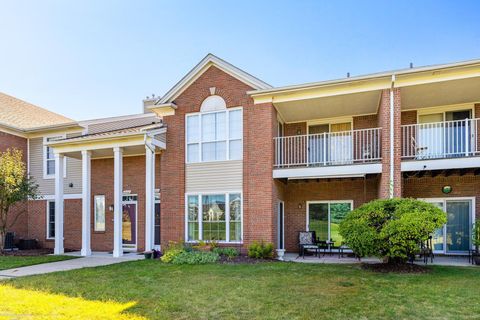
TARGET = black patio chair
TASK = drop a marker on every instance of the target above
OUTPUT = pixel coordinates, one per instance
(426, 250)
(307, 241)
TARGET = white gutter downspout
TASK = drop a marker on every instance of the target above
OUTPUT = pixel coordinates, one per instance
(392, 135)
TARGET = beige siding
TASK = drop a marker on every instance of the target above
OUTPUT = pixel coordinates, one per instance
(214, 176)
(47, 186)
(120, 124)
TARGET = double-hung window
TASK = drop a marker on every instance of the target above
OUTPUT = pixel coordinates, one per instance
(214, 217)
(213, 136)
(49, 158)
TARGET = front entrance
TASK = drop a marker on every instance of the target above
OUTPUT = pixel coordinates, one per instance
(455, 236)
(324, 218)
(129, 223)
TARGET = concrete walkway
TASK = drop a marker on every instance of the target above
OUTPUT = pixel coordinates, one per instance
(95, 260)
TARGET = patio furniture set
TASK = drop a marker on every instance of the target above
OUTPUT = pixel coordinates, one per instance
(308, 242)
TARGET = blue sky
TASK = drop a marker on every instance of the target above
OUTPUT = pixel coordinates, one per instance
(92, 59)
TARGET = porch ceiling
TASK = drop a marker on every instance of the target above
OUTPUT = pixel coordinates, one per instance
(108, 152)
(441, 93)
(329, 107)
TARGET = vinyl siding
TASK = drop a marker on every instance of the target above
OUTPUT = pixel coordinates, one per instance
(120, 124)
(214, 176)
(47, 186)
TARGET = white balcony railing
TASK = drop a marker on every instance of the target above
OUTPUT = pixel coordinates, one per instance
(324, 149)
(448, 139)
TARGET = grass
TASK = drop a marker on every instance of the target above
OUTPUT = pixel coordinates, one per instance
(9, 262)
(152, 290)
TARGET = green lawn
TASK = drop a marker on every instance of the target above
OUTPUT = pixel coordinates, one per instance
(9, 262)
(151, 290)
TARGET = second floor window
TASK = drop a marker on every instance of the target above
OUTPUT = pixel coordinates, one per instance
(49, 159)
(214, 135)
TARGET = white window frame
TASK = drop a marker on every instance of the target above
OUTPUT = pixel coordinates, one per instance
(95, 213)
(328, 202)
(200, 141)
(47, 219)
(199, 195)
(44, 156)
(444, 227)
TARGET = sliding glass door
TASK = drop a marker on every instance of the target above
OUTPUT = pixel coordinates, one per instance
(324, 218)
(455, 235)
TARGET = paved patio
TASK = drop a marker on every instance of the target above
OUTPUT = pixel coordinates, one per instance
(458, 261)
(95, 260)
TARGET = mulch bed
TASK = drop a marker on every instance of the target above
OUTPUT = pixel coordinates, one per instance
(243, 260)
(395, 268)
(25, 253)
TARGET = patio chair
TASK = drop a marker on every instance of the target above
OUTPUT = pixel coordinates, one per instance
(426, 250)
(418, 149)
(9, 241)
(307, 241)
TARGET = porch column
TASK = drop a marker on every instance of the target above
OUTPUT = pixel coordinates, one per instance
(117, 201)
(149, 197)
(59, 158)
(86, 198)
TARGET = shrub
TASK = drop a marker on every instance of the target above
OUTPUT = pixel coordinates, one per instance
(226, 251)
(195, 257)
(391, 229)
(260, 250)
(172, 250)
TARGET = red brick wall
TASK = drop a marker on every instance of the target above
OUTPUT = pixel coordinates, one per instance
(258, 131)
(384, 122)
(409, 117)
(431, 187)
(365, 122)
(299, 192)
(295, 129)
(9, 141)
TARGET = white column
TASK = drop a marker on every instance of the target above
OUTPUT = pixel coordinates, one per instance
(59, 158)
(86, 198)
(149, 198)
(117, 201)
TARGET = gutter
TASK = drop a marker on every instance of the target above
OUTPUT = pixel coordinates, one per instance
(392, 136)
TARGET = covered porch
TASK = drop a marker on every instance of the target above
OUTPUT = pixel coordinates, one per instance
(130, 143)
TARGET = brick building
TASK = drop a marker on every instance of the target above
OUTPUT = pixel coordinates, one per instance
(224, 156)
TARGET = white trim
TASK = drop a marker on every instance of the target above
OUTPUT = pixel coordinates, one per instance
(48, 220)
(329, 171)
(200, 141)
(65, 197)
(438, 164)
(444, 108)
(95, 212)
(329, 202)
(472, 218)
(201, 67)
(44, 157)
(199, 196)
(282, 222)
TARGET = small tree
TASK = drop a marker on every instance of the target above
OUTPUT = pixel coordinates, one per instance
(391, 229)
(15, 187)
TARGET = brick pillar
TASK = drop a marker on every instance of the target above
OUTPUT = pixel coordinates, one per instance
(384, 122)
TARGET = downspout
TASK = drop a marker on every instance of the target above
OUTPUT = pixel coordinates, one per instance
(392, 135)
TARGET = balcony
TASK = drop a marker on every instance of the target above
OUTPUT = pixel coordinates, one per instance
(441, 145)
(328, 154)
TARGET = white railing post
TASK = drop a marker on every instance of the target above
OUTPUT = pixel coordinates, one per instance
(467, 137)
(324, 148)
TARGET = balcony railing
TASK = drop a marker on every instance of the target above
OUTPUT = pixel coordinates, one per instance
(326, 149)
(448, 139)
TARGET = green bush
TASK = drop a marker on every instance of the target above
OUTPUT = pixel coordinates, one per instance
(172, 250)
(391, 229)
(195, 257)
(226, 251)
(260, 250)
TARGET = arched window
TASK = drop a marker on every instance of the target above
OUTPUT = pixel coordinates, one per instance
(215, 133)
(213, 103)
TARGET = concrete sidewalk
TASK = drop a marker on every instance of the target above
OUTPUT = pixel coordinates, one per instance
(95, 260)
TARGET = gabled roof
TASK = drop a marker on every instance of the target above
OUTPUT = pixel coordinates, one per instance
(23, 116)
(201, 67)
